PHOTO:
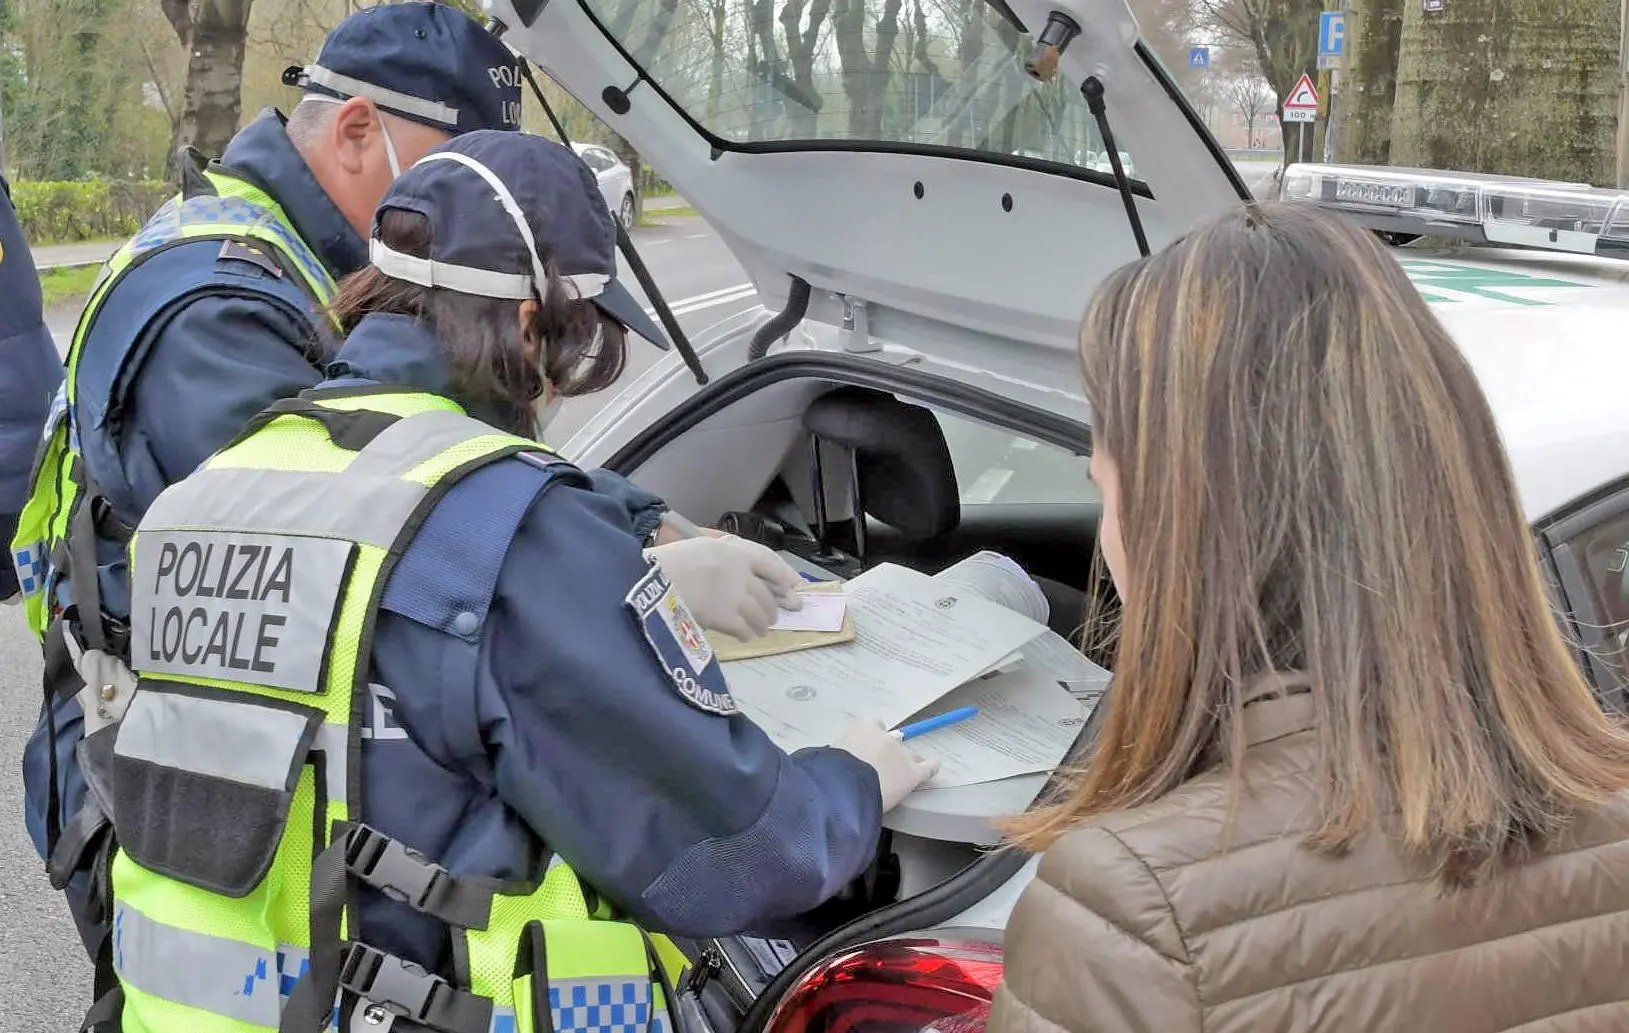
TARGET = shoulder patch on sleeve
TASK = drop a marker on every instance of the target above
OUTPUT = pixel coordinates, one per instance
(253, 254)
(541, 460)
(681, 647)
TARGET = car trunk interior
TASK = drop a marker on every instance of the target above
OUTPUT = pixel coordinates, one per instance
(807, 453)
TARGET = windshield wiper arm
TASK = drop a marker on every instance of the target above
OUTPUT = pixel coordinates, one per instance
(625, 244)
(1092, 90)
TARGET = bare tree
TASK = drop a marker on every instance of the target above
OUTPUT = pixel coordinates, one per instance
(1283, 34)
(1250, 97)
(802, 39)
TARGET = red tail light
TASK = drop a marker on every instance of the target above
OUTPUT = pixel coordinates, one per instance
(900, 985)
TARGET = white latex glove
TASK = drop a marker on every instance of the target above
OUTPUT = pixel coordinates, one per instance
(730, 584)
(899, 769)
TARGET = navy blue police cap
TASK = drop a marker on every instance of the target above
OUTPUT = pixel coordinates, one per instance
(501, 205)
(427, 62)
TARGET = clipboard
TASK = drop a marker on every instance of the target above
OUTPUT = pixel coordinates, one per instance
(774, 643)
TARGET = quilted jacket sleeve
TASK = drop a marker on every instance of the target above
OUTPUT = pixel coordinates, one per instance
(1093, 947)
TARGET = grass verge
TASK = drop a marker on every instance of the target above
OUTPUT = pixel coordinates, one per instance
(67, 284)
(655, 216)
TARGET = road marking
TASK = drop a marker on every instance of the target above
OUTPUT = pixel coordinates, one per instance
(696, 236)
(685, 306)
(658, 243)
(1025, 444)
(988, 486)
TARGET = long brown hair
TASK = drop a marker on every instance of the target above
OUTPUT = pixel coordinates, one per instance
(1311, 481)
(584, 350)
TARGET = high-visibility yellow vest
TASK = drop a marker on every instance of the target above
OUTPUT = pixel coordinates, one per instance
(235, 211)
(256, 584)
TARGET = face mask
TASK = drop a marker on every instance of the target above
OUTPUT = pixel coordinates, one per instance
(390, 152)
(390, 145)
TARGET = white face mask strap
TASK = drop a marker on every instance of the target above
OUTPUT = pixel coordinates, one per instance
(510, 206)
(384, 131)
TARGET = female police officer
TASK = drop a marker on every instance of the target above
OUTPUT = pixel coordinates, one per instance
(398, 662)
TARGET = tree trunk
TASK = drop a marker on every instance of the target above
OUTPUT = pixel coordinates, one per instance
(865, 75)
(715, 35)
(212, 103)
(1285, 36)
(801, 42)
(1517, 87)
(1374, 32)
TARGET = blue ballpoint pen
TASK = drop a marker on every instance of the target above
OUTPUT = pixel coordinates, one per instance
(933, 724)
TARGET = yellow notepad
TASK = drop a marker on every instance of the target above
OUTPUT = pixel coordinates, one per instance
(776, 642)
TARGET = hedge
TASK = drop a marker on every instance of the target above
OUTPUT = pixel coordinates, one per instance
(69, 212)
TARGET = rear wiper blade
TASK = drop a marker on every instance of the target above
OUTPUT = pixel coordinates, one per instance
(1092, 90)
(625, 244)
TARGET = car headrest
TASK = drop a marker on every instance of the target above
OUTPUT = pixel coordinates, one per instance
(905, 468)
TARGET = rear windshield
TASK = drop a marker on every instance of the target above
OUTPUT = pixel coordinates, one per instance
(942, 73)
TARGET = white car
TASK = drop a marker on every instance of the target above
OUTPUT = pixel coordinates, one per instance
(615, 179)
(915, 363)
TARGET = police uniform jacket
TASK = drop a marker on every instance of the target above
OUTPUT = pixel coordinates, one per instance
(195, 376)
(517, 705)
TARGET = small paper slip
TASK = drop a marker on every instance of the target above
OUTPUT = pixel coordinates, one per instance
(821, 612)
(777, 642)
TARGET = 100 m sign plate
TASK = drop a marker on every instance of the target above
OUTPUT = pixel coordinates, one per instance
(253, 608)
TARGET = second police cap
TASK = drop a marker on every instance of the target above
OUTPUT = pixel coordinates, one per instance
(500, 205)
(427, 62)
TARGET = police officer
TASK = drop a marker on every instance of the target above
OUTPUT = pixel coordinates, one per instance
(30, 371)
(385, 607)
(213, 311)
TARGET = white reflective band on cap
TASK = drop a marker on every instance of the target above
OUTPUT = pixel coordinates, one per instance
(589, 285)
(484, 282)
(461, 278)
(406, 104)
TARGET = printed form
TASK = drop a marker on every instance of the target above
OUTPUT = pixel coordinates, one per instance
(1026, 723)
(916, 640)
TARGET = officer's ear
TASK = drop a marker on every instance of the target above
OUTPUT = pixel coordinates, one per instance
(355, 123)
(531, 343)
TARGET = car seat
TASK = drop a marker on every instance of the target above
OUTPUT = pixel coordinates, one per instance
(900, 473)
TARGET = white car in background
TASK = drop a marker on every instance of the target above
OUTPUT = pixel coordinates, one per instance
(909, 391)
(615, 179)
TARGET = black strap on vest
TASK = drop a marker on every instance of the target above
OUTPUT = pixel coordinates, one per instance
(350, 429)
(78, 839)
(408, 877)
(403, 988)
(193, 181)
(377, 978)
(311, 1006)
(60, 680)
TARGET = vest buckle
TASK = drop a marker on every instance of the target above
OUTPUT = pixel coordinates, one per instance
(401, 874)
(385, 981)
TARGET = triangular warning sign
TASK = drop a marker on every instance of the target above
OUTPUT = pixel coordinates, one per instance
(1304, 95)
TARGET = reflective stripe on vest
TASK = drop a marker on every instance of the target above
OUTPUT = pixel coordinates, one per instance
(255, 584)
(237, 209)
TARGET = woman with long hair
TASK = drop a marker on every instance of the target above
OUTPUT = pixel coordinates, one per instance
(1351, 777)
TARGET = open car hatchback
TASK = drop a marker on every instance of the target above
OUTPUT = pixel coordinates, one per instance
(923, 196)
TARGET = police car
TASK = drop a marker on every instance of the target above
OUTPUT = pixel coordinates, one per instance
(909, 391)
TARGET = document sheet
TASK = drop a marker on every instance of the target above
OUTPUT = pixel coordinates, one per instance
(916, 639)
(1025, 724)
